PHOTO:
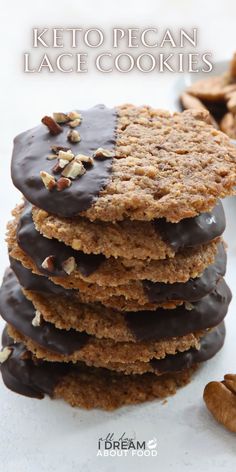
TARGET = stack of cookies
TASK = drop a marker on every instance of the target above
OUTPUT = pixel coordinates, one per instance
(217, 94)
(115, 291)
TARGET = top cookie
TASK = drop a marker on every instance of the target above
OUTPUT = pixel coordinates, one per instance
(146, 164)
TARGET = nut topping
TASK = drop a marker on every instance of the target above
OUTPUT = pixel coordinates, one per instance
(61, 117)
(67, 156)
(53, 127)
(37, 320)
(50, 157)
(63, 183)
(74, 115)
(84, 159)
(220, 399)
(188, 306)
(73, 169)
(56, 148)
(49, 263)
(4, 354)
(69, 265)
(75, 123)
(48, 180)
(103, 153)
(73, 136)
(63, 163)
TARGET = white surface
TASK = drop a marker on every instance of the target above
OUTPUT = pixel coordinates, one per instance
(40, 436)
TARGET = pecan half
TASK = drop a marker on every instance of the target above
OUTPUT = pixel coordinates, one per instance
(220, 399)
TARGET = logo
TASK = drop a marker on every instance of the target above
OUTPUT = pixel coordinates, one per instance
(125, 444)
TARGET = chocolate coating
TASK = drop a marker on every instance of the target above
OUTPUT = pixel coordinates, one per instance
(22, 376)
(31, 148)
(37, 283)
(209, 346)
(191, 232)
(160, 324)
(19, 312)
(38, 248)
(193, 289)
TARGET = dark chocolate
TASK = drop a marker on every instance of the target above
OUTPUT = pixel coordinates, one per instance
(31, 148)
(37, 283)
(19, 312)
(21, 375)
(192, 232)
(205, 313)
(38, 248)
(210, 344)
(193, 289)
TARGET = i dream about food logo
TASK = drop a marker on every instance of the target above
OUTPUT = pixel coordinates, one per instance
(119, 50)
(123, 445)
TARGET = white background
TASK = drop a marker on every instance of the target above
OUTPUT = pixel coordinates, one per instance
(46, 436)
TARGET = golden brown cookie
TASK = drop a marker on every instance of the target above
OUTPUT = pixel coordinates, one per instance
(128, 239)
(211, 89)
(163, 167)
(83, 386)
(132, 239)
(228, 125)
(190, 102)
(100, 353)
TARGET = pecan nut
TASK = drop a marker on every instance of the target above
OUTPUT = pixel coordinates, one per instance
(220, 399)
(53, 127)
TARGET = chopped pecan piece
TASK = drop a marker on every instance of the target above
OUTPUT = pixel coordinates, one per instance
(49, 263)
(63, 183)
(84, 159)
(69, 265)
(73, 136)
(103, 153)
(4, 354)
(73, 169)
(60, 117)
(52, 125)
(37, 320)
(48, 180)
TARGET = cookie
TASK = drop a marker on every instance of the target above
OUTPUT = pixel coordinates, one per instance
(190, 102)
(146, 325)
(210, 89)
(155, 165)
(83, 386)
(132, 239)
(208, 346)
(54, 344)
(144, 291)
(228, 125)
(53, 258)
(232, 68)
